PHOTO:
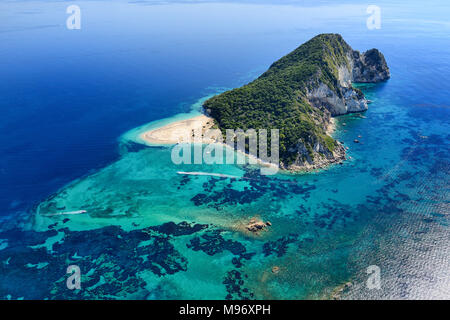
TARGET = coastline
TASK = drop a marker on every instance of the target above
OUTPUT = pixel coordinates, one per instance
(331, 128)
(177, 131)
(181, 130)
(323, 163)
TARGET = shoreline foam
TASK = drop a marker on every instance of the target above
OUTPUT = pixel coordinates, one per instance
(180, 131)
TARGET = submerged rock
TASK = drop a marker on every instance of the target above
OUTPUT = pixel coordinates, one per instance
(255, 225)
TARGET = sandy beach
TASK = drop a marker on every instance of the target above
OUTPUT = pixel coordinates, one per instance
(182, 131)
(179, 131)
(331, 127)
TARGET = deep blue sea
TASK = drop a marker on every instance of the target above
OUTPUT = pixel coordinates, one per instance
(68, 98)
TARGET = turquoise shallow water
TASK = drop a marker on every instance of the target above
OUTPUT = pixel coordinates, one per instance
(151, 233)
(327, 227)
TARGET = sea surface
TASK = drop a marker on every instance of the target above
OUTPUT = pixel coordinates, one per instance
(73, 102)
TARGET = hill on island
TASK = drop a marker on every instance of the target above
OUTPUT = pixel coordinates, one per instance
(298, 95)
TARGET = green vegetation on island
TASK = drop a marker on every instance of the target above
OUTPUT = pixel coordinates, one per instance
(281, 99)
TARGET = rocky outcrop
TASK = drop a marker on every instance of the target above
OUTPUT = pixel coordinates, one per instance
(344, 101)
(339, 290)
(299, 94)
(319, 156)
(275, 269)
(256, 225)
(367, 67)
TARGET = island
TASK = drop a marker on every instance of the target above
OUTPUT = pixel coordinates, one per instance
(298, 95)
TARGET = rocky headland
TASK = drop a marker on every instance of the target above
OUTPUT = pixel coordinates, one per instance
(298, 95)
